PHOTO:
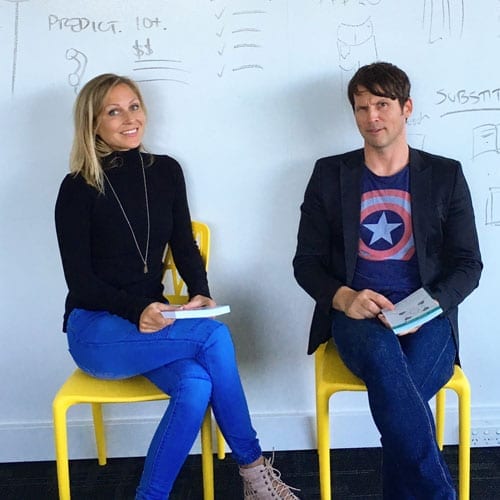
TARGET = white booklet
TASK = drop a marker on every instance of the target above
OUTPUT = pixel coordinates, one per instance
(415, 310)
(201, 312)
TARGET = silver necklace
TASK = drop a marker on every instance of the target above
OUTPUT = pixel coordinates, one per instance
(144, 257)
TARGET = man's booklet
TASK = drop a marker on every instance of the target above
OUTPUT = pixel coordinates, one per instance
(413, 311)
(201, 312)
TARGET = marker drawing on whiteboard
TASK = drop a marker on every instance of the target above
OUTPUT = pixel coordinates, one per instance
(160, 70)
(219, 14)
(16, 43)
(142, 49)
(239, 39)
(248, 66)
(247, 46)
(360, 2)
(246, 12)
(155, 69)
(485, 139)
(161, 67)
(492, 207)
(468, 111)
(81, 24)
(443, 19)
(466, 100)
(246, 30)
(356, 46)
(75, 78)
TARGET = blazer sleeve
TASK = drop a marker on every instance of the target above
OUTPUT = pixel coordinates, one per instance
(453, 263)
(313, 258)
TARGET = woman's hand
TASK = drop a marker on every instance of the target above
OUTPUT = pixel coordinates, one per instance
(152, 320)
(199, 301)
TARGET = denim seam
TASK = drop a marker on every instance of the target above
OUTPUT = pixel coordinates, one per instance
(434, 447)
(256, 451)
(166, 436)
(433, 370)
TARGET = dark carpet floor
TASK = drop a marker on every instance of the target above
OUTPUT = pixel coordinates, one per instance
(355, 475)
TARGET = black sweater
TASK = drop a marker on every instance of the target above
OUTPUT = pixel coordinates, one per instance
(102, 266)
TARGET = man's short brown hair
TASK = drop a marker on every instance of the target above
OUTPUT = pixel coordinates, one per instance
(382, 79)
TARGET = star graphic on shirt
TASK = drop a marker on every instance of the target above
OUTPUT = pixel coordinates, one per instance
(382, 229)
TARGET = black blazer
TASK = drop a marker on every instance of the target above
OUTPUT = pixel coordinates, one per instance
(444, 230)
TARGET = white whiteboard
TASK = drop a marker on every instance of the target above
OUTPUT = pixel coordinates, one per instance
(246, 94)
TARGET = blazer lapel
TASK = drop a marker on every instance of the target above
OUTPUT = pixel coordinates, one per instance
(350, 191)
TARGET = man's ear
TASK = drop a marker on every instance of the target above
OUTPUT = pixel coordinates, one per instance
(408, 108)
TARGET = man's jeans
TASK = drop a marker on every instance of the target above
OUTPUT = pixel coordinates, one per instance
(402, 374)
(193, 361)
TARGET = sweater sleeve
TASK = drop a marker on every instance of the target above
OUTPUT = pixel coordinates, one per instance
(73, 212)
(185, 251)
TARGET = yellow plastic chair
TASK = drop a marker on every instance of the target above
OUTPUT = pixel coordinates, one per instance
(333, 376)
(82, 388)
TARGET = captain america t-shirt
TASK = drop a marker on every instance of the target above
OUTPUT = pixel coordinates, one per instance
(387, 260)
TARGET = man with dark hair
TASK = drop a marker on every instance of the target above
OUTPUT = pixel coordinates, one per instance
(383, 80)
(376, 225)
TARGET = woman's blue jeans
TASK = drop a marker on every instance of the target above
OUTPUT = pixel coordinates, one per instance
(401, 375)
(193, 361)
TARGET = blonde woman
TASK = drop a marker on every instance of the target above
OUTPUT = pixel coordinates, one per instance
(115, 213)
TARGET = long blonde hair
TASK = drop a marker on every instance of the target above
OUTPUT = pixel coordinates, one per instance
(88, 148)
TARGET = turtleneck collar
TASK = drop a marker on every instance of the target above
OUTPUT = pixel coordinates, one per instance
(121, 158)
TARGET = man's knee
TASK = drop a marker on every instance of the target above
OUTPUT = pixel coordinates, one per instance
(381, 358)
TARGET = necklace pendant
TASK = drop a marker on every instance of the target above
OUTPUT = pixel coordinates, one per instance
(144, 257)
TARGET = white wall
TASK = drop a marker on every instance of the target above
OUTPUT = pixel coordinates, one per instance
(247, 124)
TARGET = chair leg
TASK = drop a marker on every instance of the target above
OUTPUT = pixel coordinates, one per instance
(100, 433)
(221, 444)
(59, 410)
(207, 458)
(323, 437)
(464, 415)
(440, 415)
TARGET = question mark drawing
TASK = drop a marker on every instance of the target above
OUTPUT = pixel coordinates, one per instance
(80, 59)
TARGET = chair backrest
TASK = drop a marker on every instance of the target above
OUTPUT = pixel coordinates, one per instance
(175, 288)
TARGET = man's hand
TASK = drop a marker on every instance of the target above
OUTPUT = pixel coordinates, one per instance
(364, 304)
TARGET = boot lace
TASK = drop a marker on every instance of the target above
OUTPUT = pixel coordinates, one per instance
(277, 487)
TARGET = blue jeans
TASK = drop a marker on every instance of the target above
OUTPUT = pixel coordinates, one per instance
(401, 375)
(193, 361)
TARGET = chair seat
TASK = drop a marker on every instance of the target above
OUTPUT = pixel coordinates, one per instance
(457, 381)
(87, 389)
(333, 376)
(335, 372)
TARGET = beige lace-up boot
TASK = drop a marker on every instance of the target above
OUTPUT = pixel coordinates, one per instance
(263, 482)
